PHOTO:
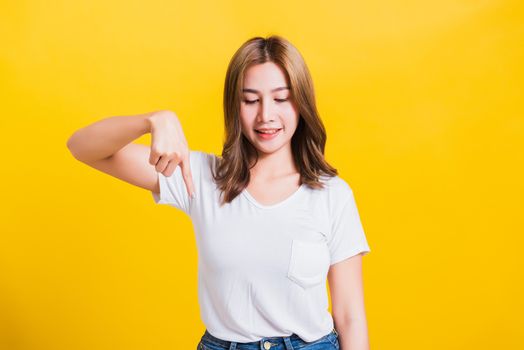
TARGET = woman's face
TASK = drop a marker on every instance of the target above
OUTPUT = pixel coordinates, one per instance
(267, 104)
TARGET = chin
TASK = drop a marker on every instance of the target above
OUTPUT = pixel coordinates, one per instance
(269, 150)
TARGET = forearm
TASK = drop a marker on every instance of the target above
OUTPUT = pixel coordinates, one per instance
(353, 335)
(105, 137)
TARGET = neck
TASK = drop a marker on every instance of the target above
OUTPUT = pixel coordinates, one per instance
(274, 165)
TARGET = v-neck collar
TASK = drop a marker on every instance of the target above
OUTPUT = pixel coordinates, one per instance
(252, 199)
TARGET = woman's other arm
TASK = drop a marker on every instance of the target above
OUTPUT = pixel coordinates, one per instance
(347, 303)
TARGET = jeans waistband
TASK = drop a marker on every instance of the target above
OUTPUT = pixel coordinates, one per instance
(272, 340)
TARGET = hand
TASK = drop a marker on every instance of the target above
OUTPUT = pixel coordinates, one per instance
(169, 147)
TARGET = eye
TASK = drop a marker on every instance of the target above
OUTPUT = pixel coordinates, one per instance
(249, 102)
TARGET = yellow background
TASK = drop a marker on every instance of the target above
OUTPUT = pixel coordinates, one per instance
(422, 101)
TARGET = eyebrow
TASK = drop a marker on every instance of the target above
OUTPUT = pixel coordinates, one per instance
(256, 91)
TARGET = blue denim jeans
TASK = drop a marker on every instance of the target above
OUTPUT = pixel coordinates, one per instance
(292, 342)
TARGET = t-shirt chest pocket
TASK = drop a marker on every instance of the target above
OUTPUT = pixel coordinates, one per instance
(308, 263)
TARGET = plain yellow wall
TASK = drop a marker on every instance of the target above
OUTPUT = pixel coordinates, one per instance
(422, 101)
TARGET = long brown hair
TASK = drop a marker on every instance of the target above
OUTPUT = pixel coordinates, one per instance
(232, 172)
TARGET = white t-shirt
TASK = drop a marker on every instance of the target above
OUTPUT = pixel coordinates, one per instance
(262, 269)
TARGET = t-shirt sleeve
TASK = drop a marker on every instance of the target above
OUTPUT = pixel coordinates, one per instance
(347, 234)
(173, 189)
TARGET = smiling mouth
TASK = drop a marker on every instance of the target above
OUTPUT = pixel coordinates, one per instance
(268, 131)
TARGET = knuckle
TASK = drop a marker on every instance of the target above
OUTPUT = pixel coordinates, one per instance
(155, 151)
(177, 153)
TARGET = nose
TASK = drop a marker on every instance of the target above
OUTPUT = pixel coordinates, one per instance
(266, 110)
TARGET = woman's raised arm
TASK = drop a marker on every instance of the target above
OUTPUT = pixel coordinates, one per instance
(107, 145)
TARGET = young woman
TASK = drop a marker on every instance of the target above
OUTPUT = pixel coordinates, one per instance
(272, 218)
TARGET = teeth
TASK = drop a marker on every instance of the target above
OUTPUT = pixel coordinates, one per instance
(268, 131)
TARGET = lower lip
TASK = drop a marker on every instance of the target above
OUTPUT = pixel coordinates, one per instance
(268, 136)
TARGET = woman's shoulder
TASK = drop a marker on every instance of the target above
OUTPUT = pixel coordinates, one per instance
(202, 161)
(335, 184)
(336, 191)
